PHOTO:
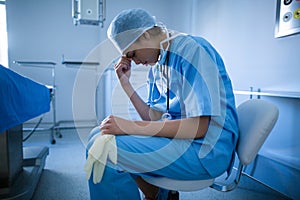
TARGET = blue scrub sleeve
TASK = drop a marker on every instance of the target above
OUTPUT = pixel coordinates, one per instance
(201, 84)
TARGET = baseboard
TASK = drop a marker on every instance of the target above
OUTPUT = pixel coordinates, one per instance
(277, 175)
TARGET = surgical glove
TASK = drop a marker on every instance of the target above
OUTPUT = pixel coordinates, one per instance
(103, 147)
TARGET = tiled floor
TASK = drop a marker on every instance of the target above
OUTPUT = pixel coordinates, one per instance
(64, 177)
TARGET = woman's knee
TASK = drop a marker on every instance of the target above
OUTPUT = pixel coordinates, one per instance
(93, 132)
(92, 136)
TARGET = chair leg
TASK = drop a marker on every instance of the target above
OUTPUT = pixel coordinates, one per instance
(173, 195)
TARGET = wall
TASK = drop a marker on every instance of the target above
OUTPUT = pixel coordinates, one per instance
(41, 30)
(243, 33)
(44, 31)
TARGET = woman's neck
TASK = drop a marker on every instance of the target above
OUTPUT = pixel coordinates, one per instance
(165, 39)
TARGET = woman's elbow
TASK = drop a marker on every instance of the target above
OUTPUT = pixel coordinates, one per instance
(203, 125)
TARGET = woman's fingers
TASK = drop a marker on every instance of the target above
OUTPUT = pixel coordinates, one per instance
(123, 68)
(110, 125)
(107, 125)
(123, 62)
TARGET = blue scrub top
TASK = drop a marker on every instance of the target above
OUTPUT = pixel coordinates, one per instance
(199, 86)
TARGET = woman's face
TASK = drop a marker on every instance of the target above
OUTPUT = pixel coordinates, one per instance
(144, 51)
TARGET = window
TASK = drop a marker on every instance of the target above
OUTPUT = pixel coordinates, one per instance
(3, 35)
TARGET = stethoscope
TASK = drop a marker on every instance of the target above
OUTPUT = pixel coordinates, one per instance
(163, 66)
(167, 115)
(161, 69)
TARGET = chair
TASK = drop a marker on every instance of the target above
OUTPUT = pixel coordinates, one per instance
(257, 118)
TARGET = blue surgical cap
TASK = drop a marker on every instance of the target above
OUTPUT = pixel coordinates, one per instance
(128, 26)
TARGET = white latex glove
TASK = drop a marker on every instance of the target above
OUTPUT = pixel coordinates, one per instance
(103, 147)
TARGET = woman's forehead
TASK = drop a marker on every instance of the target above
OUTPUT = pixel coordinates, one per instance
(131, 48)
(138, 46)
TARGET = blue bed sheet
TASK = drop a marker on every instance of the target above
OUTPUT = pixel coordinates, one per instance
(21, 99)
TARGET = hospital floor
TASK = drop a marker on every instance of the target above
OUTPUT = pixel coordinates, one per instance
(64, 178)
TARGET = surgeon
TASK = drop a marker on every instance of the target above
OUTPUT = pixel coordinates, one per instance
(189, 126)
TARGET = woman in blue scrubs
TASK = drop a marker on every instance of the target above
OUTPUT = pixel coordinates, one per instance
(189, 123)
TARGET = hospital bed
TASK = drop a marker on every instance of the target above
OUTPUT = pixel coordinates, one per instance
(46, 65)
(21, 99)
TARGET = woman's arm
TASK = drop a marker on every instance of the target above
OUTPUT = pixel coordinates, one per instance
(189, 128)
(145, 112)
(123, 69)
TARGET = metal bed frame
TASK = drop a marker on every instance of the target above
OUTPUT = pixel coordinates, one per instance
(49, 65)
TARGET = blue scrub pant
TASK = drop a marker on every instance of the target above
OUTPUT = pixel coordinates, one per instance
(146, 156)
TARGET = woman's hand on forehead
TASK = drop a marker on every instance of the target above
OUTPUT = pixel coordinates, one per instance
(123, 68)
(124, 60)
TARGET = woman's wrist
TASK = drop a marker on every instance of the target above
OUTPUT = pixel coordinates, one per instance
(128, 89)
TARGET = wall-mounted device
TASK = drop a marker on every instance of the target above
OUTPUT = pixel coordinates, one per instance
(90, 12)
(287, 18)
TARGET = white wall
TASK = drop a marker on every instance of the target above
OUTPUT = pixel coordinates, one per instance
(42, 30)
(243, 33)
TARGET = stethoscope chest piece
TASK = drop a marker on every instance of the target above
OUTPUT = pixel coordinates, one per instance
(166, 116)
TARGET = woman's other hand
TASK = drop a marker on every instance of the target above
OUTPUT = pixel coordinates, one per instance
(114, 125)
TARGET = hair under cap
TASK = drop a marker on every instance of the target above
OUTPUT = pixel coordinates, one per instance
(128, 26)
